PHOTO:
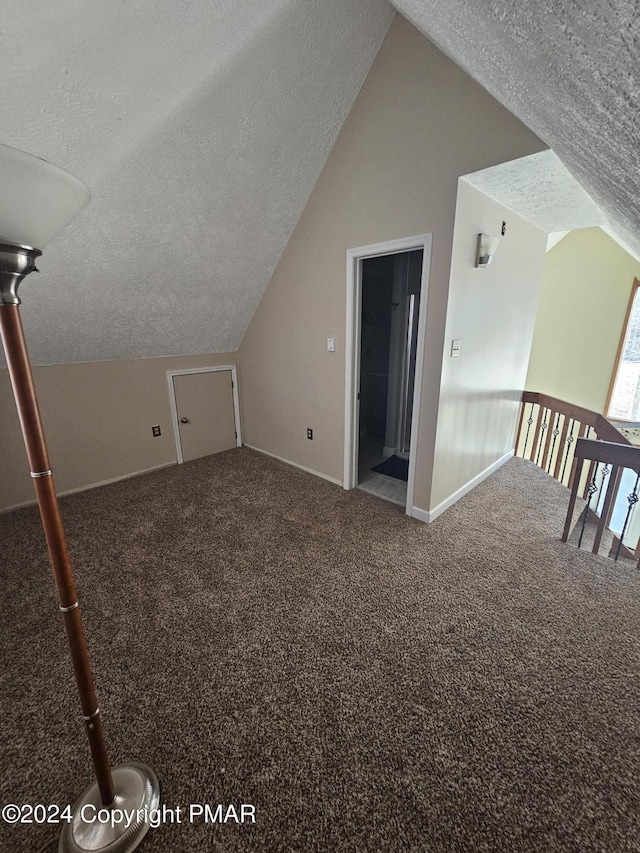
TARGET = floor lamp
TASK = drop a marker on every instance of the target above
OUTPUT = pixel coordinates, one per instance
(37, 200)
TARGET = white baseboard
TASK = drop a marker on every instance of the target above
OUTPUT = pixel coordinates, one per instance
(92, 486)
(430, 515)
(295, 465)
(420, 514)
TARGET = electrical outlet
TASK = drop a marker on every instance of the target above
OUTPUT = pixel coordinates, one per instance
(156, 430)
(309, 433)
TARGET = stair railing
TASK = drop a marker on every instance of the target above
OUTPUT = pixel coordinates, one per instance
(549, 431)
(549, 428)
(615, 458)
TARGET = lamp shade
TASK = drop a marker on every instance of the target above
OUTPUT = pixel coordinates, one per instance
(37, 199)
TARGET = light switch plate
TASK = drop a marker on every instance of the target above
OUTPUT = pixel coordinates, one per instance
(331, 344)
(455, 348)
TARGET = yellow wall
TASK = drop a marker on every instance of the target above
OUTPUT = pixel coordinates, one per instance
(418, 123)
(586, 284)
(98, 418)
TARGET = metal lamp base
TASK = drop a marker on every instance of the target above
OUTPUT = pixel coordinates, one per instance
(120, 827)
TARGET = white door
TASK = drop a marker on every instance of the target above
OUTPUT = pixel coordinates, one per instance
(205, 413)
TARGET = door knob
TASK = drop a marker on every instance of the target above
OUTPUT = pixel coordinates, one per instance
(184, 420)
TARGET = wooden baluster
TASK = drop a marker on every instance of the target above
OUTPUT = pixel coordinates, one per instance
(561, 451)
(538, 438)
(547, 447)
(526, 438)
(577, 468)
(581, 433)
(519, 430)
(571, 439)
(607, 508)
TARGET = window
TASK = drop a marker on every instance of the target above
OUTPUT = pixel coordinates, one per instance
(624, 393)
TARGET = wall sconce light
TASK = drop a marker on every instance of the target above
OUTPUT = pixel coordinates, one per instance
(485, 250)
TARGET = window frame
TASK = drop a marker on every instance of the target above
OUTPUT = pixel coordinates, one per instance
(616, 367)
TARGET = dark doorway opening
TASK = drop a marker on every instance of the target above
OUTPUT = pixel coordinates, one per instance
(389, 330)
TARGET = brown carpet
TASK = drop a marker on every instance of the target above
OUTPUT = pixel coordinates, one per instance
(368, 682)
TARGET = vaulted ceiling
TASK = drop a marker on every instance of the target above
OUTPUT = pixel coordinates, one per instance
(570, 71)
(201, 128)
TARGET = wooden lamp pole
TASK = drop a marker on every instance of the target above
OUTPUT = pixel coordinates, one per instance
(130, 786)
(24, 391)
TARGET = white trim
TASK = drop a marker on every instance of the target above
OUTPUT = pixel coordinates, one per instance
(421, 514)
(296, 465)
(429, 516)
(417, 382)
(352, 354)
(90, 486)
(174, 409)
(352, 369)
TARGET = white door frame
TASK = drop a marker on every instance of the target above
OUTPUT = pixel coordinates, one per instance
(174, 408)
(352, 351)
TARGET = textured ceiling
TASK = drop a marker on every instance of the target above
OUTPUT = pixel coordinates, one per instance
(570, 71)
(201, 128)
(542, 190)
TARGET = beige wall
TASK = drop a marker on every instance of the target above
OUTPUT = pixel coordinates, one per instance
(98, 419)
(417, 125)
(586, 284)
(492, 312)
